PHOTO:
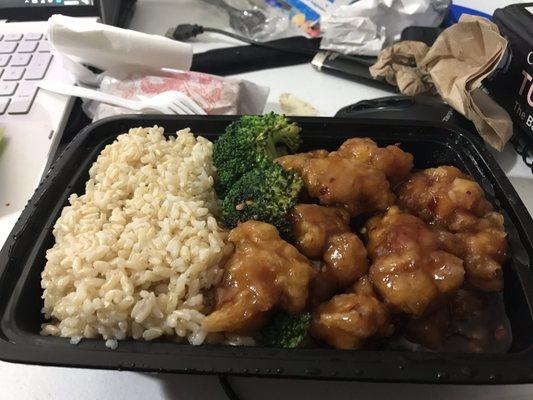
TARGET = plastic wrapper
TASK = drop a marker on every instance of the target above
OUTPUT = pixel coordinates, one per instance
(215, 94)
(255, 19)
(366, 26)
(276, 26)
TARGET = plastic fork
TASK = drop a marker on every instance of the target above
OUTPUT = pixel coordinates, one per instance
(171, 102)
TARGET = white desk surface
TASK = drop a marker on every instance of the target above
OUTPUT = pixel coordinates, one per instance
(327, 94)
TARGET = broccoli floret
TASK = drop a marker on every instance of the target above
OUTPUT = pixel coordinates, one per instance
(287, 331)
(247, 142)
(266, 193)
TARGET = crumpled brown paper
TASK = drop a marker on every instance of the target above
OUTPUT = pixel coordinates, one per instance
(461, 57)
(399, 66)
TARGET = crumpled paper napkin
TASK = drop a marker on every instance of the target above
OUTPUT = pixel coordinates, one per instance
(365, 26)
(109, 48)
(461, 57)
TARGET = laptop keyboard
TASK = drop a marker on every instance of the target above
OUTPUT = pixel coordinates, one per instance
(24, 60)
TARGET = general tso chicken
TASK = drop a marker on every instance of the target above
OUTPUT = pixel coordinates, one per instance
(341, 182)
(409, 267)
(348, 319)
(264, 272)
(391, 160)
(354, 248)
(448, 199)
(323, 234)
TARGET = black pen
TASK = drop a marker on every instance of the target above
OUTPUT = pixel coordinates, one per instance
(354, 68)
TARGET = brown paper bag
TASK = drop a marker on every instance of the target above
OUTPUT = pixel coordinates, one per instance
(398, 64)
(461, 57)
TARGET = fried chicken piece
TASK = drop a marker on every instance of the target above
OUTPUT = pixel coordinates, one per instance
(341, 182)
(409, 267)
(324, 233)
(483, 249)
(296, 162)
(346, 320)
(444, 197)
(313, 225)
(429, 330)
(449, 199)
(391, 160)
(264, 273)
(345, 260)
(364, 286)
(450, 242)
(485, 253)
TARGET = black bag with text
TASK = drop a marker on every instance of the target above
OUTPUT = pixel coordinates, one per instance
(512, 84)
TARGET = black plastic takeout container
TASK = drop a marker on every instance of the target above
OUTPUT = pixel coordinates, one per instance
(23, 258)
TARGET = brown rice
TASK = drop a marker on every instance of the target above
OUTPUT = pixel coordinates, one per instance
(134, 255)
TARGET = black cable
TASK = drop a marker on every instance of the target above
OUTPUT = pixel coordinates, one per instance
(261, 44)
(187, 31)
(228, 390)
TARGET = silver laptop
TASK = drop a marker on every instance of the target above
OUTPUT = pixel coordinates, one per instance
(32, 119)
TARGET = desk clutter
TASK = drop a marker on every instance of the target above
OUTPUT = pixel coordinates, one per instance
(130, 74)
(137, 66)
